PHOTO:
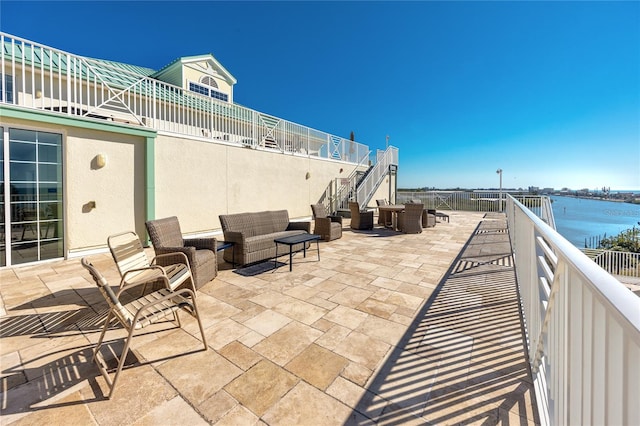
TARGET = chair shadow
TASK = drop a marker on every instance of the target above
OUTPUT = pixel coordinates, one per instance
(35, 384)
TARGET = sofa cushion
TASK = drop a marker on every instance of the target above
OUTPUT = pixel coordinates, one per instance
(265, 242)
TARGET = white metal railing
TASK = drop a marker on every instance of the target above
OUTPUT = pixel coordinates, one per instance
(339, 188)
(616, 262)
(582, 326)
(346, 187)
(478, 201)
(368, 186)
(40, 77)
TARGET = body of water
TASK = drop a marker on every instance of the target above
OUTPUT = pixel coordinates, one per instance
(578, 218)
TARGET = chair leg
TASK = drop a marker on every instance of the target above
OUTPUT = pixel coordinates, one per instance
(102, 333)
(196, 314)
(193, 287)
(123, 357)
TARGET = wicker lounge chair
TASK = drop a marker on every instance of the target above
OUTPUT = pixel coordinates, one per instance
(166, 237)
(428, 218)
(135, 268)
(360, 219)
(136, 313)
(410, 220)
(327, 226)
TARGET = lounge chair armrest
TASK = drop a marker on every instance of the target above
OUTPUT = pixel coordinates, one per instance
(161, 275)
(175, 255)
(201, 243)
(323, 221)
(169, 258)
(234, 237)
(337, 219)
(299, 226)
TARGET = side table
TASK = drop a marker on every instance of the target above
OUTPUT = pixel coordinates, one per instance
(221, 245)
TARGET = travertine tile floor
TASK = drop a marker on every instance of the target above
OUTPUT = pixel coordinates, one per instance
(386, 328)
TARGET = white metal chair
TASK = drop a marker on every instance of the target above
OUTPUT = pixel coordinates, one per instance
(138, 313)
(135, 268)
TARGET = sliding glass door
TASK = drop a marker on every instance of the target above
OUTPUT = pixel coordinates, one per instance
(31, 201)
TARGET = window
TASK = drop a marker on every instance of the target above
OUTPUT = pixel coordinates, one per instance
(6, 94)
(208, 91)
(219, 95)
(198, 88)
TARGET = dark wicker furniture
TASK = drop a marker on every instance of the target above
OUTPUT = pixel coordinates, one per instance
(329, 227)
(253, 234)
(360, 219)
(166, 237)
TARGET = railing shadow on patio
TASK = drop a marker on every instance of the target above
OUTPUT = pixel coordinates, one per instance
(463, 359)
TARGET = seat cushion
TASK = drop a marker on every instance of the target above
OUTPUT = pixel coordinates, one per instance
(265, 242)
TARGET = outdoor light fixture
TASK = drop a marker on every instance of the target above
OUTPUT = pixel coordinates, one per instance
(38, 94)
(101, 160)
(307, 176)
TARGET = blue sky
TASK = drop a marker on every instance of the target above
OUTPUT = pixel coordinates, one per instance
(547, 91)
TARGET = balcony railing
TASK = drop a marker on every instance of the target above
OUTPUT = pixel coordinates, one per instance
(582, 325)
(622, 263)
(39, 77)
(478, 201)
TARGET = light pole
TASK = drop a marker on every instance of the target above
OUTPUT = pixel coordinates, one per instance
(387, 141)
(499, 171)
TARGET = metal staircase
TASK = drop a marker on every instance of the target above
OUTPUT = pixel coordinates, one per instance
(359, 185)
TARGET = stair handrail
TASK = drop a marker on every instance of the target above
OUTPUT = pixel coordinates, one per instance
(346, 187)
(370, 184)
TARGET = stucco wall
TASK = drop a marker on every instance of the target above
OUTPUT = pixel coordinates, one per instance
(117, 188)
(219, 179)
(194, 180)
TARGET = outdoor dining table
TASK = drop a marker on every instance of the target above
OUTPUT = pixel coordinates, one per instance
(392, 210)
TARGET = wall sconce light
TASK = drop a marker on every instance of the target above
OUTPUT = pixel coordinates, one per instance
(38, 94)
(307, 176)
(341, 169)
(101, 160)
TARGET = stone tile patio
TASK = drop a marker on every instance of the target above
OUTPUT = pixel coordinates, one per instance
(386, 329)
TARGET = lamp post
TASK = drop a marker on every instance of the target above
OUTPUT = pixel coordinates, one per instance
(499, 171)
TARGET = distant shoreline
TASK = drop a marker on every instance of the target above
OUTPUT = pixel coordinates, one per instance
(582, 197)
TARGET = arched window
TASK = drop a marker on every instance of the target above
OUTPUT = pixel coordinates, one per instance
(209, 81)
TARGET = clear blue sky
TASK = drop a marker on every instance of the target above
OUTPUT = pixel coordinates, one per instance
(547, 91)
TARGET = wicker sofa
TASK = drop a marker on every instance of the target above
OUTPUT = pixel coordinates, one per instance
(253, 234)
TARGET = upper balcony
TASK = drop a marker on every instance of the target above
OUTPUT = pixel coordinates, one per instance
(35, 76)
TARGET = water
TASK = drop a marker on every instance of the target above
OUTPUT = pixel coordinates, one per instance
(578, 218)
